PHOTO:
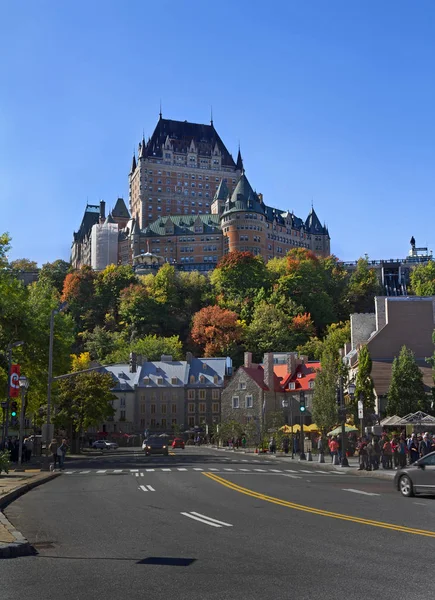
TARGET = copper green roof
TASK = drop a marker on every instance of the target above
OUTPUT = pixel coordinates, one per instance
(182, 224)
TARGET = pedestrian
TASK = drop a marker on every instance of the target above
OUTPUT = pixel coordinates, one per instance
(285, 445)
(402, 452)
(52, 448)
(370, 455)
(425, 446)
(272, 445)
(320, 445)
(362, 452)
(387, 455)
(395, 451)
(29, 449)
(333, 447)
(413, 449)
(61, 451)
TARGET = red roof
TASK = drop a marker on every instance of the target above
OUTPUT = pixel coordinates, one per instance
(308, 372)
(303, 375)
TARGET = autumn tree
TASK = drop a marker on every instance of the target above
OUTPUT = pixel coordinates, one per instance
(23, 264)
(406, 393)
(79, 293)
(423, 279)
(216, 330)
(364, 389)
(363, 287)
(54, 274)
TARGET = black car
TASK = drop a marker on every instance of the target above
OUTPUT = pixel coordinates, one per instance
(155, 445)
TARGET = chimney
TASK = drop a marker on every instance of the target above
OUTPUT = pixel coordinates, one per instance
(133, 362)
(291, 362)
(189, 357)
(102, 211)
(247, 360)
(268, 370)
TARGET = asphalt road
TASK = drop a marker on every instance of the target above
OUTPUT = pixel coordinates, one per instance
(214, 525)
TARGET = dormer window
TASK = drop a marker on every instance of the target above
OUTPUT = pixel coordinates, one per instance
(311, 384)
(146, 380)
(216, 379)
(204, 366)
(159, 380)
(299, 375)
(202, 379)
(192, 379)
(292, 385)
(174, 380)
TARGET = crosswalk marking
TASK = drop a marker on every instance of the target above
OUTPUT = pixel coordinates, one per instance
(275, 471)
(149, 470)
(197, 469)
(232, 469)
(134, 470)
(260, 470)
(228, 469)
(181, 469)
(118, 470)
(103, 471)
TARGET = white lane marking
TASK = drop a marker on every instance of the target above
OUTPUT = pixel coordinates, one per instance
(84, 472)
(181, 469)
(245, 460)
(147, 488)
(359, 492)
(151, 489)
(137, 474)
(149, 471)
(197, 469)
(291, 471)
(338, 472)
(292, 476)
(142, 475)
(213, 469)
(69, 472)
(244, 470)
(324, 472)
(228, 469)
(102, 471)
(420, 503)
(134, 470)
(166, 469)
(262, 470)
(275, 471)
(305, 471)
(210, 519)
(202, 520)
(143, 488)
(118, 470)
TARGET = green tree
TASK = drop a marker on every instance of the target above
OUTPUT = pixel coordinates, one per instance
(100, 342)
(423, 279)
(364, 389)
(79, 292)
(150, 346)
(139, 311)
(325, 410)
(54, 274)
(406, 393)
(108, 286)
(363, 287)
(23, 264)
(272, 330)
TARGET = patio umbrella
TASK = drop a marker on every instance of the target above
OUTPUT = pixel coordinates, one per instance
(313, 427)
(286, 429)
(337, 430)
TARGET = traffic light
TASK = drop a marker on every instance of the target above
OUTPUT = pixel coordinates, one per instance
(302, 406)
(14, 409)
(338, 397)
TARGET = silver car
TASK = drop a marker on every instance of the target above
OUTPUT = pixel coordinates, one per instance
(418, 478)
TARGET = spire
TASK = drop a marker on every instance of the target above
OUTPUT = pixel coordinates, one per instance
(110, 218)
(211, 116)
(133, 164)
(136, 228)
(239, 162)
(160, 112)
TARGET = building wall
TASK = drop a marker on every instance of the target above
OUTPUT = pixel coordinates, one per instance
(362, 325)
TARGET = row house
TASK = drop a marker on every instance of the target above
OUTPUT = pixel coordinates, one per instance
(167, 394)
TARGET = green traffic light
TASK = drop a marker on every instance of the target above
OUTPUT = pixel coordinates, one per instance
(13, 414)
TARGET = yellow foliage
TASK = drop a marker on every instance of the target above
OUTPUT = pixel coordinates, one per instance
(80, 362)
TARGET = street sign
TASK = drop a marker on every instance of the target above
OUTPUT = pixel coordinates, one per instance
(360, 409)
(4, 405)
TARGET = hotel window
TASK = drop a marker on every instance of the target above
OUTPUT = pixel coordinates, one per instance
(202, 407)
(163, 409)
(201, 394)
(163, 423)
(191, 421)
(192, 379)
(215, 394)
(153, 422)
(201, 379)
(174, 408)
(174, 421)
(191, 407)
(215, 407)
(173, 379)
(153, 409)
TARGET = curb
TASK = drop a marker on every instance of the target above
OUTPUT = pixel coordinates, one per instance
(21, 546)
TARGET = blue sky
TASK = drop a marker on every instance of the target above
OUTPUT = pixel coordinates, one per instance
(332, 101)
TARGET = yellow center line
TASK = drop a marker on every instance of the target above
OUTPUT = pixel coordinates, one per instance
(316, 511)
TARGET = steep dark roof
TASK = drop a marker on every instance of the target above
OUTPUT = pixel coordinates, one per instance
(183, 224)
(90, 218)
(239, 163)
(181, 134)
(120, 209)
(110, 219)
(312, 224)
(222, 191)
(244, 198)
(133, 164)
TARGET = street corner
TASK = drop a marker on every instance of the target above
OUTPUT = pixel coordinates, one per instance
(12, 542)
(11, 488)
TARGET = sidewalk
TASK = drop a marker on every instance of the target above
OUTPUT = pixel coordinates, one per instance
(353, 461)
(12, 486)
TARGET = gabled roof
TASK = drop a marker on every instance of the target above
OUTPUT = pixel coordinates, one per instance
(177, 370)
(208, 368)
(257, 375)
(120, 209)
(183, 224)
(181, 134)
(303, 375)
(222, 192)
(90, 218)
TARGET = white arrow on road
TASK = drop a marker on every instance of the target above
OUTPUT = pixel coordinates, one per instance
(207, 520)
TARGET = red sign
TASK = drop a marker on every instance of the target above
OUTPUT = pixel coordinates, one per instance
(14, 384)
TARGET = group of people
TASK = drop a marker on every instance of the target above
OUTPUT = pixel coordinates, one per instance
(58, 452)
(12, 445)
(394, 451)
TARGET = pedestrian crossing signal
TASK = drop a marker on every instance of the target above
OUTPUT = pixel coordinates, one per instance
(14, 409)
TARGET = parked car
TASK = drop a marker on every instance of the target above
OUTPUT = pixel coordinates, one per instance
(103, 445)
(417, 478)
(155, 445)
(178, 443)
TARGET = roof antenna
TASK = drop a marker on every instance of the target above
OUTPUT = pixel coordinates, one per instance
(211, 115)
(160, 113)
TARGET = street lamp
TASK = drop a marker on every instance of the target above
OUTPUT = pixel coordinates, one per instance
(24, 384)
(286, 404)
(302, 408)
(9, 351)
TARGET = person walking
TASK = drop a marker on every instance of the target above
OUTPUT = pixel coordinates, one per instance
(285, 445)
(61, 451)
(387, 455)
(333, 448)
(413, 449)
(272, 445)
(395, 451)
(425, 446)
(52, 448)
(402, 452)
